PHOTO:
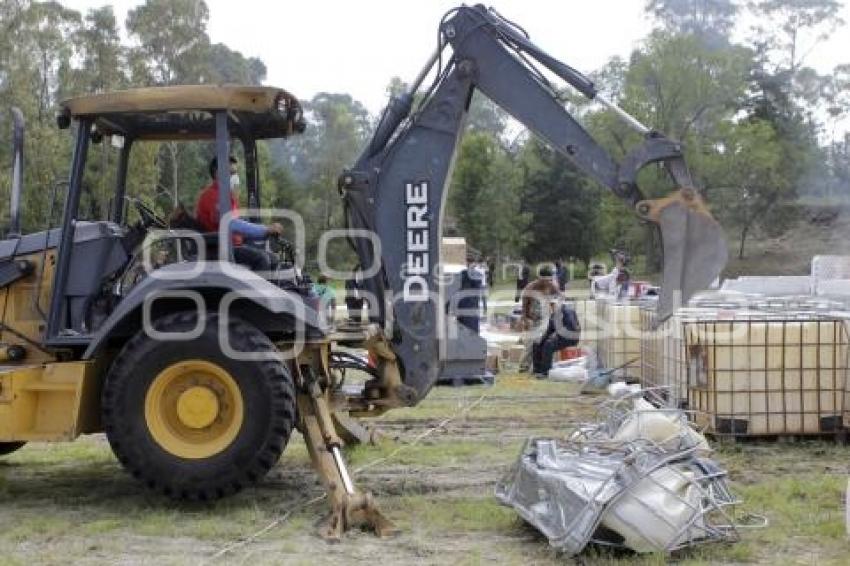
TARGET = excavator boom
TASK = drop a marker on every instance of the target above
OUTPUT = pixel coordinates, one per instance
(396, 189)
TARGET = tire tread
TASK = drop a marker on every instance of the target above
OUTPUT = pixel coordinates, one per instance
(243, 337)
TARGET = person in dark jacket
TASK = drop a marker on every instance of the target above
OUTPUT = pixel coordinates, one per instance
(522, 280)
(563, 331)
(536, 299)
(469, 304)
(561, 275)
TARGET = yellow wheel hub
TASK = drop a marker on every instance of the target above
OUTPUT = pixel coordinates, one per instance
(197, 407)
(193, 409)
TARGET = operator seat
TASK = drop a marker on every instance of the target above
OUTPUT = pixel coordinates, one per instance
(181, 219)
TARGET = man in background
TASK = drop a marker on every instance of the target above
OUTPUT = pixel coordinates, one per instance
(521, 280)
(536, 298)
(469, 303)
(614, 285)
(479, 270)
(327, 297)
(562, 331)
(561, 275)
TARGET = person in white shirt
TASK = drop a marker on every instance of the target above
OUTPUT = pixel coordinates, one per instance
(615, 284)
(479, 272)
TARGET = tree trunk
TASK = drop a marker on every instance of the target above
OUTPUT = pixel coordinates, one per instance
(43, 95)
(744, 232)
(172, 147)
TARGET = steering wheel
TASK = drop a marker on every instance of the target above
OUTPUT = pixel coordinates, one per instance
(281, 246)
(149, 217)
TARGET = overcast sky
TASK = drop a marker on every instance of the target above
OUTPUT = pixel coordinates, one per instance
(356, 46)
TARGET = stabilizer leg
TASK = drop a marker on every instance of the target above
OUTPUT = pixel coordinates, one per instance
(352, 431)
(349, 507)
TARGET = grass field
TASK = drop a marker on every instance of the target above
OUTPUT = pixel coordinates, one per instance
(73, 503)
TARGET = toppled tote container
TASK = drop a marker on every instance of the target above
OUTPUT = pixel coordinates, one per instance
(638, 479)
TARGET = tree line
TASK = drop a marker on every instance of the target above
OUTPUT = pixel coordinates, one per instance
(761, 128)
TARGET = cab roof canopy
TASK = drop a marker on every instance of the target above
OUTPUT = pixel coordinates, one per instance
(187, 112)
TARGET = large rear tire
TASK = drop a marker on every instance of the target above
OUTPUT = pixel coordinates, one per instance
(191, 422)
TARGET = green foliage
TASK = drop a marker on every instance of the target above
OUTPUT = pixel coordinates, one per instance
(680, 85)
(619, 229)
(746, 113)
(98, 44)
(684, 88)
(227, 66)
(485, 116)
(563, 207)
(749, 172)
(310, 164)
(485, 196)
(49, 53)
(710, 20)
(792, 27)
(750, 114)
(172, 41)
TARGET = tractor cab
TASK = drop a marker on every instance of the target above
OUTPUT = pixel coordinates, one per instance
(118, 321)
(85, 269)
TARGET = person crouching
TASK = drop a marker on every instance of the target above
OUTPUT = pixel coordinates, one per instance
(563, 331)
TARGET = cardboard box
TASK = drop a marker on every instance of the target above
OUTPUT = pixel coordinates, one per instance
(453, 251)
(516, 353)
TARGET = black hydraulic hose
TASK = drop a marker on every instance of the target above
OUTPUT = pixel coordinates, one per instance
(394, 114)
(519, 39)
(344, 360)
(511, 23)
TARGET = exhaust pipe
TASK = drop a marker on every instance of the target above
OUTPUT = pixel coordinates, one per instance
(17, 173)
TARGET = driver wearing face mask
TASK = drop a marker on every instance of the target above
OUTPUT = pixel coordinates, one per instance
(241, 230)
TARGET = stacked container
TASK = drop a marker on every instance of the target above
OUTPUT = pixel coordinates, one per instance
(767, 376)
(663, 355)
(588, 318)
(619, 344)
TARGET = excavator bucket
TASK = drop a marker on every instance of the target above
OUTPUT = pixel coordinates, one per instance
(695, 250)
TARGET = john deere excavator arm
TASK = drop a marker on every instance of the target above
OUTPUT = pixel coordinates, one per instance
(394, 198)
(396, 190)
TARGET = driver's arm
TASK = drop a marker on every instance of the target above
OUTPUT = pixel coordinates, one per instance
(254, 231)
(249, 230)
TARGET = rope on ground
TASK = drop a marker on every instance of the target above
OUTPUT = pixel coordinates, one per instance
(243, 541)
(239, 543)
(463, 411)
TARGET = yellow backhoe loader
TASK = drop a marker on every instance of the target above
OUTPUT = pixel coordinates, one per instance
(198, 368)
